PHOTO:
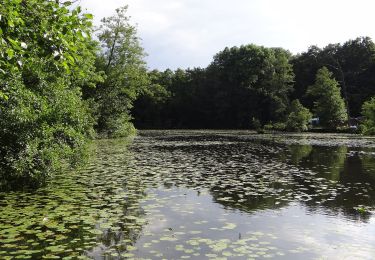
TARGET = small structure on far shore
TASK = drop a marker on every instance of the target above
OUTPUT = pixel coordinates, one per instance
(314, 121)
(355, 121)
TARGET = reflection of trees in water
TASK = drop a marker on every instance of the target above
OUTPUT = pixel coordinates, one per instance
(328, 162)
(337, 165)
(248, 204)
(216, 166)
(119, 189)
(259, 174)
(298, 152)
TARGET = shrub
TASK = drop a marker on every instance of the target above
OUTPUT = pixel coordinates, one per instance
(279, 126)
(368, 111)
(46, 57)
(298, 118)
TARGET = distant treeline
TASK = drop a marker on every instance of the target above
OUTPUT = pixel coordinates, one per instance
(253, 82)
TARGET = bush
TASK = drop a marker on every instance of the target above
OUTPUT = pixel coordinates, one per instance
(279, 126)
(368, 111)
(298, 118)
(120, 127)
(46, 59)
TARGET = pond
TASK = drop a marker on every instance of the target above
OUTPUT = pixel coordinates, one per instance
(201, 195)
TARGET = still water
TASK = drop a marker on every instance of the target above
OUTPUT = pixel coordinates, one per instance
(202, 195)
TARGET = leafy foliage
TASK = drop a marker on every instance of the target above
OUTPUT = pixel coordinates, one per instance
(352, 64)
(298, 118)
(149, 108)
(252, 81)
(46, 56)
(329, 105)
(121, 59)
(241, 83)
(368, 111)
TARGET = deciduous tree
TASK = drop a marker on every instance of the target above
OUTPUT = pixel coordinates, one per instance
(46, 56)
(329, 106)
(298, 118)
(122, 60)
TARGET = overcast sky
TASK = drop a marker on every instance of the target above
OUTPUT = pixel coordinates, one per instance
(187, 33)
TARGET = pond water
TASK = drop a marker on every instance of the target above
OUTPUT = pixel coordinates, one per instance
(202, 195)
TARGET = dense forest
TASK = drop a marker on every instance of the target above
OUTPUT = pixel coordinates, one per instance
(60, 88)
(253, 82)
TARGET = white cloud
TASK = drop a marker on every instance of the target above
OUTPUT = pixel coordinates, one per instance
(187, 33)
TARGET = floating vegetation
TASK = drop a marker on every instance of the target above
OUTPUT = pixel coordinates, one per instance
(75, 212)
(196, 194)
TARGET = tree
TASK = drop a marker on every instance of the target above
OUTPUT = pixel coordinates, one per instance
(150, 107)
(121, 59)
(356, 64)
(252, 81)
(329, 105)
(305, 66)
(241, 83)
(298, 118)
(368, 111)
(46, 57)
(352, 64)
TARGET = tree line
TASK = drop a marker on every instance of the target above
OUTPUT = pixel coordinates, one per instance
(253, 87)
(60, 87)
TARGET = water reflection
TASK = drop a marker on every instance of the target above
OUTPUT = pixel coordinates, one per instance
(305, 196)
(351, 169)
(234, 195)
(254, 173)
(203, 194)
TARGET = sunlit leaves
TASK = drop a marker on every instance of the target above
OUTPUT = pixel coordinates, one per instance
(329, 105)
(46, 57)
(368, 111)
(122, 60)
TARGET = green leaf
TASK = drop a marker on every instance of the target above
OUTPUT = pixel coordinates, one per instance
(88, 16)
(3, 96)
(10, 23)
(15, 44)
(10, 53)
(71, 59)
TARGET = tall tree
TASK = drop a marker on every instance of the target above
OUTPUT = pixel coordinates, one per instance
(253, 81)
(356, 68)
(329, 105)
(150, 107)
(305, 66)
(241, 83)
(352, 64)
(122, 60)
